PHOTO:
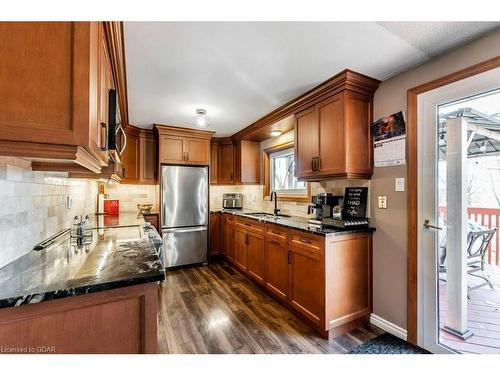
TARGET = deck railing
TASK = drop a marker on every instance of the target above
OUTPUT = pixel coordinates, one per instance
(490, 218)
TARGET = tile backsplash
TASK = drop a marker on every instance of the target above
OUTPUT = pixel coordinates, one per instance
(253, 196)
(33, 205)
(131, 195)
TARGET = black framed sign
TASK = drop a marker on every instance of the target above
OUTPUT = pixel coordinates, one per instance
(355, 199)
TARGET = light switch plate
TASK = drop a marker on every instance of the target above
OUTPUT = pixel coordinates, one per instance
(382, 201)
(399, 184)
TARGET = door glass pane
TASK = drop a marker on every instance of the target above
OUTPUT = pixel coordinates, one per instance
(468, 249)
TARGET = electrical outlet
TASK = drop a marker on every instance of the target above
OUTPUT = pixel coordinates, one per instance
(382, 201)
(69, 202)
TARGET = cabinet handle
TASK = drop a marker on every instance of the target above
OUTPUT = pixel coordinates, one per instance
(304, 240)
(187, 156)
(275, 242)
(318, 163)
(274, 232)
(290, 257)
(312, 164)
(123, 171)
(104, 136)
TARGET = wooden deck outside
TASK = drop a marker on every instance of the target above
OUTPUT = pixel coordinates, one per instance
(483, 317)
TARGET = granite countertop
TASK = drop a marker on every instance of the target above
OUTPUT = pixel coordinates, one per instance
(120, 255)
(295, 222)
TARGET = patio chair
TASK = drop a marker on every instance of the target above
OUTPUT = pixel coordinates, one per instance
(478, 241)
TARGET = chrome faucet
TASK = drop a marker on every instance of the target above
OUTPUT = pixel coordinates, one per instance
(276, 211)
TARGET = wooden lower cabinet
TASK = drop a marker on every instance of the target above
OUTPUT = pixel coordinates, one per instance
(255, 256)
(215, 234)
(240, 248)
(307, 283)
(276, 268)
(327, 280)
(228, 236)
(123, 320)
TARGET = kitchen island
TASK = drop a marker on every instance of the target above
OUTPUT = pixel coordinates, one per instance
(94, 298)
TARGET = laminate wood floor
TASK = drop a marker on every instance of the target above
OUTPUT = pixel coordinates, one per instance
(214, 309)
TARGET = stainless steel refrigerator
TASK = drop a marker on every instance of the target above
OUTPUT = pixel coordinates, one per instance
(184, 214)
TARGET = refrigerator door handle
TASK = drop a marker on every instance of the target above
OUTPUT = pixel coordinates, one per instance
(183, 230)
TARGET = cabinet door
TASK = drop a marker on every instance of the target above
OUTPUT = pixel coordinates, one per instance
(237, 163)
(105, 83)
(148, 164)
(307, 283)
(171, 149)
(331, 136)
(214, 163)
(306, 142)
(197, 151)
(130, 160)
(225, 164)
(276, 268)
(240, 246)
(255, 256)
(46, 71)
(215, 234)
(228, 247)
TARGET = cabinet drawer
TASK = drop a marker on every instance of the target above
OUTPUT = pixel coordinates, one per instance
(306, 241)
(250, 225)
(276, 233)
(228, 219)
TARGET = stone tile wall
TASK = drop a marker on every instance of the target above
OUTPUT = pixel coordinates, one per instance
(33, 205)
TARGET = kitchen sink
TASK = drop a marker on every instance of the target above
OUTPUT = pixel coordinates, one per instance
(265, 215)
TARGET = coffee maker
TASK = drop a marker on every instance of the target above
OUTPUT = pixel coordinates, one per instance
(322, 207)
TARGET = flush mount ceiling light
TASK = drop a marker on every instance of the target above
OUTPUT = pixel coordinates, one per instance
(276, 133)
(201, 118)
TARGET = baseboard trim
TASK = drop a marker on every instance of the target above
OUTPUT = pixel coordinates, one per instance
(388, 327)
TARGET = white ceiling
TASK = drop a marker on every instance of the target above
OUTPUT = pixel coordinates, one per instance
(240, 71)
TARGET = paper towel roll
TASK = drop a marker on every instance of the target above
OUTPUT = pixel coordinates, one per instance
(100, 204)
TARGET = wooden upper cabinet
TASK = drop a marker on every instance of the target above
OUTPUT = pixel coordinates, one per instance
(183, 146)
(333, 136)
(225, 167)
(331, 150)
(139, 158)
(131, 156)
(197, 151)
(148, 166)
(306, 142)
(213, 162)
(171, 149)
(237, 163)
(54, 78)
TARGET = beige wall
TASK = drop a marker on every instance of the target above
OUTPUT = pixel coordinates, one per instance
(33, 205)
(390, 240)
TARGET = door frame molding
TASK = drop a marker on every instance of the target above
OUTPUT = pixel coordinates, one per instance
(412, 181)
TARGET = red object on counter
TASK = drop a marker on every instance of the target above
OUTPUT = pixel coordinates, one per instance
(111, 206)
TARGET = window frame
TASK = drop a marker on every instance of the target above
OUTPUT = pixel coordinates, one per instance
(266, 163)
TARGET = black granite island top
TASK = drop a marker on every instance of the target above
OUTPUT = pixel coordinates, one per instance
(296, 222)
(117, 257)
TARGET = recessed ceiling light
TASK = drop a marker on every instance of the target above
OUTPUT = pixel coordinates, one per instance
(276, 133)
(201, 120)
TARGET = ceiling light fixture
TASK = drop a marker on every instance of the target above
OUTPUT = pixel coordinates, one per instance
(276, 133)
(201, 120)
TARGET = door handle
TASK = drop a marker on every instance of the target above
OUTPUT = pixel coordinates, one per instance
(317, 163)
(312, 164)
(429, 226)
(104, 136)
